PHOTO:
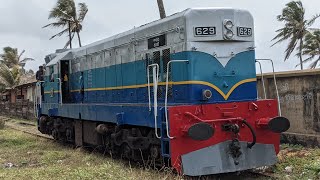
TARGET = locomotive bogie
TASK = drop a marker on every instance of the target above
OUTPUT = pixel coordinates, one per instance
(134, 143)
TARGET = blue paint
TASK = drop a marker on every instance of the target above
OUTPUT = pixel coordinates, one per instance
(201, 67)
(115, 113)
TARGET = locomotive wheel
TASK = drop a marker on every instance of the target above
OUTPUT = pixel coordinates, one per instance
(154, 152)
(126, 151)
(55, 134)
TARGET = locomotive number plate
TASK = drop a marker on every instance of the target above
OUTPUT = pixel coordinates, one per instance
(157, 41)
(204, 31)
(244, 31)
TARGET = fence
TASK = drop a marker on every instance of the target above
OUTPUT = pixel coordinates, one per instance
(22, 109)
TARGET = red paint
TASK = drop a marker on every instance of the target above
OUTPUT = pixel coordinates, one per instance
(256, 113)
(262, 122)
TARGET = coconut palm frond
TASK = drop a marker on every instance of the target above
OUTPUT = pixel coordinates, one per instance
(62, 10)
(295, 30)
(314, 64)
(305, 61)
(10, 56)
(291, 47)
(312, 48)
(12, 59)
(83, 10)
(60, 33)
(57, 24)
(65, 14)
(24, 60)
(9, 78)
(293, 17)
(282, 36)
(22, 52)
(313, 19)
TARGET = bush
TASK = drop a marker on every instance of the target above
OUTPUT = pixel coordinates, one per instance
(2, 122)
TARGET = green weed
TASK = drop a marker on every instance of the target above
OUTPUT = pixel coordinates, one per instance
(2, 123)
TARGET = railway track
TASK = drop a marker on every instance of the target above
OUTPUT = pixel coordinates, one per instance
(31, 129)
(24, 127)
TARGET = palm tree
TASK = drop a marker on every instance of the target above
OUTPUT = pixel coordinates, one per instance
(9, 78)
(311, 48)
(12, 59)
(295, 29)
(161, 9)
(67, 17)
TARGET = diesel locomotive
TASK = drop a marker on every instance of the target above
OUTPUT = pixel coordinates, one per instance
(180, 91)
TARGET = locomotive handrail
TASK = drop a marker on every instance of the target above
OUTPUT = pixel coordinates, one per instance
(40, 97)
(60, 89)
(275, 82)
(148, 74)
(166, 97)
(37, 98)
(231, 108)
(37, 101)
(35, 104)
(155, 72)
(212, 120)
(262, 80)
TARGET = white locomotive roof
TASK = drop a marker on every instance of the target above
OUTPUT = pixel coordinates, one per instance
(148, 30)
(61, 56)
(117, 39)
(133, 33)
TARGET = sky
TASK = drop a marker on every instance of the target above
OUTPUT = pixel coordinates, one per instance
(21, 23)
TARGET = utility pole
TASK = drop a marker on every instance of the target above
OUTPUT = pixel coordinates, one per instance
(161, 9)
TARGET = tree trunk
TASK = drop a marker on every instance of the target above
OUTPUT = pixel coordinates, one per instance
(161, 9)
(300, 53)
(70, 39)
(78, 34)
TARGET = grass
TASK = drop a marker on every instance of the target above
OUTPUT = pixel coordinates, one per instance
(24, 121)
(2, 122)
(305, 162)
(36, 158)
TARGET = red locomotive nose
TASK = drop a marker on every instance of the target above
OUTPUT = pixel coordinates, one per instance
(277, 124)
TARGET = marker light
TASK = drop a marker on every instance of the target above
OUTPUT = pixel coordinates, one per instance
(207, 94)
(229, 34)
(228, 24)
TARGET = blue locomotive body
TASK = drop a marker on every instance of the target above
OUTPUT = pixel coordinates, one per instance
(119, 93)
